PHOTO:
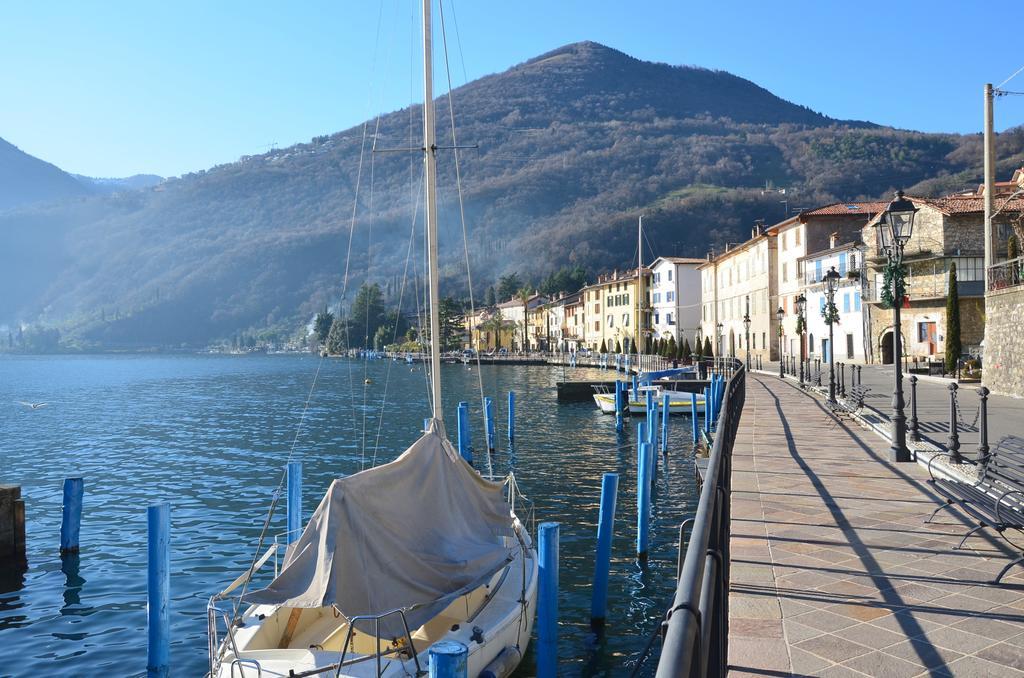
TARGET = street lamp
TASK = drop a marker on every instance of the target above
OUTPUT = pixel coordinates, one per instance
(801, 307)
(780, 314)
(831, 313)
(720, 344)
(746, 331)
(894, 229)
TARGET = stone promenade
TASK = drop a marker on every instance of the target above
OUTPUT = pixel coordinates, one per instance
(834, 572)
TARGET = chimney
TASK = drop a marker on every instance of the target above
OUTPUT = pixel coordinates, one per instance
(832, 240)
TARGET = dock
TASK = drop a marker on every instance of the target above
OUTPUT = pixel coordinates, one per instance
(834, 571)
(582, 391)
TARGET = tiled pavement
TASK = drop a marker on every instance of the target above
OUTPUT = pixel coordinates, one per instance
(834, 572)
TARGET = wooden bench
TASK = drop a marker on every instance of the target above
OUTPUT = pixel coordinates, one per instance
(996, 500)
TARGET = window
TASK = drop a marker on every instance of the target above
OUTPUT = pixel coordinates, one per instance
(796, 235)
(669, 319)
(849, 345)
(967, 268)
(610, 320)
(922, 331)
(817, 270)
(625, 318)
(657, 297)
(670, 275)
(597, 325)
(670, 296)
(856, 301)
(853, 261)
(785, 272)
(783, 242)
(656, 319)
(842, 264)
(764, 341)
(846, 302)
(822, 305)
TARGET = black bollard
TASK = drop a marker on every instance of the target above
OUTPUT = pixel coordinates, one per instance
(842, 379)
(953, 444)
(983, 418)
(818, 364)
(912, 422)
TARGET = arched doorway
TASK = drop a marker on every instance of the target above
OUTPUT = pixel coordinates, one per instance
(886, 346)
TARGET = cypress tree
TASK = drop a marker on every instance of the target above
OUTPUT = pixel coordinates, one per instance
(632, 346)
(699, 352)
(618, 346)
(953, 344)
(707, 347)
(604, 347)
(672, 351)
(684, 351)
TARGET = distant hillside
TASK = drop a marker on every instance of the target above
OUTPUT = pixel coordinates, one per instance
(113, 185)
(25, 179)
(572, 146)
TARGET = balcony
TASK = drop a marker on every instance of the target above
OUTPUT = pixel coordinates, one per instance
(1006, 275)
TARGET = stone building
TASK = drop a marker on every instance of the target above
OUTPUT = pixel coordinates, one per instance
(946, 230)
(615, 313)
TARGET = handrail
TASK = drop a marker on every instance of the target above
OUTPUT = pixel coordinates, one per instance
(1005, 274)
(696, 626)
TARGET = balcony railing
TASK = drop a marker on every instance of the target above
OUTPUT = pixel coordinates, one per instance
(1006, 274)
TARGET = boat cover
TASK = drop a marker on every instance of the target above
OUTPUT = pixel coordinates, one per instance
(648, 377)
(414, 534)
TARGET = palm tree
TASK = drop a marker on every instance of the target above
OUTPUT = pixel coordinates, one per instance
(523, 295)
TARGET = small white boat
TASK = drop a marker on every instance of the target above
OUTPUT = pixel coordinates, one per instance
(678, 401)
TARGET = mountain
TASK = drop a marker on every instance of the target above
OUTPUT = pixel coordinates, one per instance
(25, 179)
(112, 185)
(570, 147)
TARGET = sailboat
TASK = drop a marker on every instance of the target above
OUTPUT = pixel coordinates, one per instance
(395, 558)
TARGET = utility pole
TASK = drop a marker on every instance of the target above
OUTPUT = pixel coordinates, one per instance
(990, 171)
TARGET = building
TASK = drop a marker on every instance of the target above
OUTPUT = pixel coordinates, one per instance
(850, 333)
(946, 230)
(557, 329)
(575, 322)
(742, 281)
(489, 330)
(812, 231)
(612, 309)
(526, 327)
(1003, 368)
(675, 298)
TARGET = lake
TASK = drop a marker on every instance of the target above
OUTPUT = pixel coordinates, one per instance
(210, 434)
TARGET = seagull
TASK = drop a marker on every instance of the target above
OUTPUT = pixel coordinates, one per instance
(32, 406)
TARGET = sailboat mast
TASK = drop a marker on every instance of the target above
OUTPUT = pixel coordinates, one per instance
(429, 149)
(639, 284)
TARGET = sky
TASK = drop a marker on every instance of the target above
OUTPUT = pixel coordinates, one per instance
(116, 88)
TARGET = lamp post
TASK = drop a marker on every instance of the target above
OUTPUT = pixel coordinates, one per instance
(698, 338)
(720, 344)
(780, 314)
(894, 229)
(801, 307)
(831, 285)
(746, 331)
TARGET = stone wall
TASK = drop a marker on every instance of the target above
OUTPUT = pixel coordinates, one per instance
(1004, 345)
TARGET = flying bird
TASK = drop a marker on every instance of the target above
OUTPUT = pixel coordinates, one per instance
(32, 406)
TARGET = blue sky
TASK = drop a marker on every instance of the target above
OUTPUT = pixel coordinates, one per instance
(115, 88)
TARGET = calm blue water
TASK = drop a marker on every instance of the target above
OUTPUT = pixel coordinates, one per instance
(209, 434)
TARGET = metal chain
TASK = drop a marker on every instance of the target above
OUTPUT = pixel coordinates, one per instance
(959, 413)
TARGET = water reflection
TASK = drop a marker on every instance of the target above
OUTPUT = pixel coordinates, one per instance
(70, 565)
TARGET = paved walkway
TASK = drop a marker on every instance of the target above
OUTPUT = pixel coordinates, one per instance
(834, 572)
(1005, 414)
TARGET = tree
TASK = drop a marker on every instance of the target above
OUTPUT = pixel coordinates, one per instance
(672, 351)
(699, 348)
(523, 295)
(508, 286)
(490, 300)
(953, 345)
(618, 346)
(367, 314)
(684, 351)
(632, 346)
(451, 324)
(707, 348)
(322, 325)
(604, 347)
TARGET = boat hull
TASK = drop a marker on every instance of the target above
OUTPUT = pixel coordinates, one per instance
(606, 403)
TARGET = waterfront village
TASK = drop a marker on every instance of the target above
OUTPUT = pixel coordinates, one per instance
(744, 300)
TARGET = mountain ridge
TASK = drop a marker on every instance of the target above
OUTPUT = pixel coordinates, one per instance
(571, 146)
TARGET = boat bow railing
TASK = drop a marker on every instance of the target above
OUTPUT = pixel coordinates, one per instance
(695, 630)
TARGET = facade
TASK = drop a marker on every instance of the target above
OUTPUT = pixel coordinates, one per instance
(489, 330)
(741, 281)
(675, 298)
(813, 231)
(849, 335)
(612, 310)
(525, 330)
(1003, 367)
(946, 230)
(575, 322)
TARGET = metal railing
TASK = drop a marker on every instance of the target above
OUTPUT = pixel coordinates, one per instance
(696, 628)
(1006, 274)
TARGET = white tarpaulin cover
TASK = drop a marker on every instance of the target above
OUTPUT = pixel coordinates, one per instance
(413, 534)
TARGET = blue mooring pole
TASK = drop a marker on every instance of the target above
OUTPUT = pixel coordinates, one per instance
(664, 422)
(489, 422)
(636, 388)
(158, 518)
(652, 428)
(294, 501)
(694, 421)
(71, 515)
(463, 429)
(511, 416)
(707, 409)
(605, 530)
(620, 397)
(547, 601)
(448, 659)
(643, 501)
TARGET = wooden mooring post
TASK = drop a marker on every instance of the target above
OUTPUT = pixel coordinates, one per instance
(12, 529)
